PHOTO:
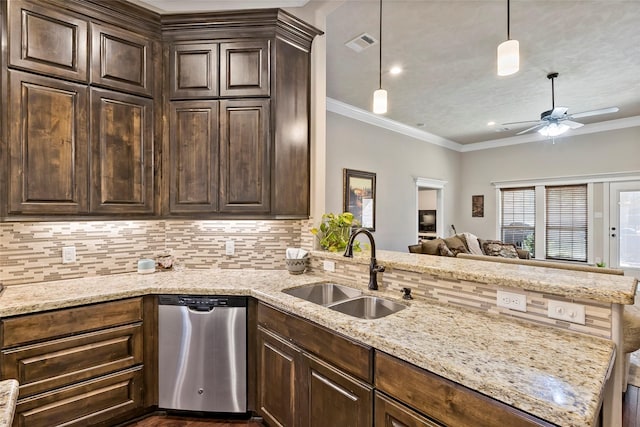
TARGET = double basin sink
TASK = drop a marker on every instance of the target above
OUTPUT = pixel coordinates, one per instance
(346, 300)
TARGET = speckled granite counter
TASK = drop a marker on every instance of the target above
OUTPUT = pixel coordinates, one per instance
(8, 399)
(555, 375)
(573, 284)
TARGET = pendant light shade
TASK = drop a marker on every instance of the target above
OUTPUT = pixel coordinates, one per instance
(508, 51)
(380, 101)
(554, 129)
(380, 95)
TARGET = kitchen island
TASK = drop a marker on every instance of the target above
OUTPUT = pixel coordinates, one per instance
(555, 375)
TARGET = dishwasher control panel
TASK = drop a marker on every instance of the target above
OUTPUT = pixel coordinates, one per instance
(203, 300)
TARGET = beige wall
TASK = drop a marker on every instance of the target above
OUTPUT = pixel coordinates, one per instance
(397, 160)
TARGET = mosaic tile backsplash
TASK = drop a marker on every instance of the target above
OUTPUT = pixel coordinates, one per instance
(32, 251)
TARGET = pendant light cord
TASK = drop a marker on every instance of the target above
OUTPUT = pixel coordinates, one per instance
(508, 20)
(380, 44)
(553, 95)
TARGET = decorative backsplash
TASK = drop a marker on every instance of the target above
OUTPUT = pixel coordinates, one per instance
(32, 251)
(471, 295)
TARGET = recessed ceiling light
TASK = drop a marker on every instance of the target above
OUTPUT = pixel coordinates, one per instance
(491, 123)
(395, 70)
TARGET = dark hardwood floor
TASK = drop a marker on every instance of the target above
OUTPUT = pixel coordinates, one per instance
(630, 417)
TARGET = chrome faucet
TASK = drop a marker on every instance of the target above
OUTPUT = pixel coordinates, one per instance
(374, 268)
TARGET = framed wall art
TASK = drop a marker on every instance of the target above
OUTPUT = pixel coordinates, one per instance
(359, 197)
(477, 206)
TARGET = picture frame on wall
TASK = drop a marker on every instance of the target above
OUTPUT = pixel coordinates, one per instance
(477, 206)
(359, 197)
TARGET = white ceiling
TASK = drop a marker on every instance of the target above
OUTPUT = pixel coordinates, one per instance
(448, 51)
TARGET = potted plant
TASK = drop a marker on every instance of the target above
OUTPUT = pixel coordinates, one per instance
(334, 231)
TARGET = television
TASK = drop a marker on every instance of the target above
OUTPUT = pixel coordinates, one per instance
(426, 220)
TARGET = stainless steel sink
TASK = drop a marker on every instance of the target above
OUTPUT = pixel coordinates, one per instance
(368, 307)
(324, 293)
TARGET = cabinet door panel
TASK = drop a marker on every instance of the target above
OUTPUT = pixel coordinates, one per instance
(245, 156)
(194, 156)
(121, 153)
(84, 404)
(194, 70)
(245, 68)
(45, 366)
(278, 384)
(47, 145)
(392, 414)
(121, 59)
(44, 40)
(350, 401)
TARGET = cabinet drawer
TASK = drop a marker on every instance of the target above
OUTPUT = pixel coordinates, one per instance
(45, 366)
(444, 400)
(87, 403)
(389, 413)
(41, 326)
(350, 356)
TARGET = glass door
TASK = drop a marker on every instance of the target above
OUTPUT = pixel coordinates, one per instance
(624, 227)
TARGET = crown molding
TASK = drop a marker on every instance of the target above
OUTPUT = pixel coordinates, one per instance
(356, 113)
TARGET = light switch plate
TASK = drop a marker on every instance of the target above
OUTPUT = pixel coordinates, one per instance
(230, 247)
(68, 254)
(512, 300)
(329, 266)
(567, 311)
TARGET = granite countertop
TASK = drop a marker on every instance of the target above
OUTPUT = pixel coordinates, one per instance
(569, 283)
(8, 399)
(553, 374)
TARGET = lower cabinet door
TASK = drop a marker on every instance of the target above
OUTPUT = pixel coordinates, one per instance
(278, 380)
(389, 413)
(88, 403)
(333, 398)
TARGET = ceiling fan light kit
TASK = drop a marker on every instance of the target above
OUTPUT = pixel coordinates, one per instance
(380, 95)
(508, 51)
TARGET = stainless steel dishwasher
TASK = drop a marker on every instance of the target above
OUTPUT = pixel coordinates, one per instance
(202, 360)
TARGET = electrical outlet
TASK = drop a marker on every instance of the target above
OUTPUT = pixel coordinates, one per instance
(329, 266)
(230, 247)
(68, 254)
(512, 301)
(566, 311)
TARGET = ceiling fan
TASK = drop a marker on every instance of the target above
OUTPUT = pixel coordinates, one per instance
(556, 121)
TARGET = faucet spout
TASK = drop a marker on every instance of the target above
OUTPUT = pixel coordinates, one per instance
(374, 268)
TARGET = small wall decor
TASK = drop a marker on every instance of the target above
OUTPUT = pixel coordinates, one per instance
(477, 206)
(359, 197)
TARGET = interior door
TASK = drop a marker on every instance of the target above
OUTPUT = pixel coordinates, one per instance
(624, 227)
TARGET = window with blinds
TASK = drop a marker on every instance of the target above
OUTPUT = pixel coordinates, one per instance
(566, 222)
(518, 217)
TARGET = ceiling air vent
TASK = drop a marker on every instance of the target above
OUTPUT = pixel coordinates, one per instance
(361, 42)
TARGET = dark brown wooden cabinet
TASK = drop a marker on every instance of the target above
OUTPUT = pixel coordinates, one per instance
(193, 70)
(245, 156)
(85, 372)
(47, 40)
(122, 156)
(194, 156)
(121, 59)
(298, 379)
(245, 68)
(48, 130)
(389, 413)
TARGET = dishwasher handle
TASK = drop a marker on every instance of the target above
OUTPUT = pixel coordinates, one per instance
(200, 308)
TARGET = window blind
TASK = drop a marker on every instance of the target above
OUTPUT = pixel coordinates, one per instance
(518, 217)
(566, 222)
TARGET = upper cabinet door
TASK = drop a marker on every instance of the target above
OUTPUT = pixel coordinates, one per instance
(44, 40)
(121, 60)
(193, 70)
(47, 145)
(121, 153)
(245, 68)
(245, 156)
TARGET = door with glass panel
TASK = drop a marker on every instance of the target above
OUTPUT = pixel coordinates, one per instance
(624, 227)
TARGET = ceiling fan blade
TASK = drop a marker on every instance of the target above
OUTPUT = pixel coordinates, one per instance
(572, 124)
(594, 112)
(558, 112)
(519, 123)
(532, 128)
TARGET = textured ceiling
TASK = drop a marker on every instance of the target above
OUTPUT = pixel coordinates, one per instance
(448, 51)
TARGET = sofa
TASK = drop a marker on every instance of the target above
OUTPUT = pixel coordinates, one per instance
(467, 243)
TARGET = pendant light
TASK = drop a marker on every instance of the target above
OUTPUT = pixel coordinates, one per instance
(508, 51)
(380, 95)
